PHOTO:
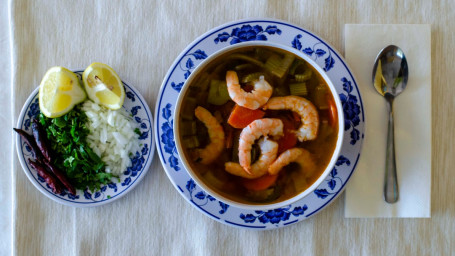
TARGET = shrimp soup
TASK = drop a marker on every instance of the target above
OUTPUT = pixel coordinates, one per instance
(257, 125)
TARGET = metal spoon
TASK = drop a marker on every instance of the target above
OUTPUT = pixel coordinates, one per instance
(390, 75)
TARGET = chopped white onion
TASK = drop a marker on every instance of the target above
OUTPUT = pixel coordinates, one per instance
(111, 137)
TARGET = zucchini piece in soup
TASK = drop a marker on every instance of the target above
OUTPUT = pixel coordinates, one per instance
(298, 89)
(188, 128)
(218, 93)
(320, 97)
(304, 76)
(279, 66)
(188, 108)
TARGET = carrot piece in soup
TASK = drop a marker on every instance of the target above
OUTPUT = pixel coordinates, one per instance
(289, 138)
(260, 183)
(229, 136)
(241, 117)
(288, 141)
(333, 114)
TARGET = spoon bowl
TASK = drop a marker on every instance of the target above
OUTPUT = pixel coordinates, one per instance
(390, 71)
(390, 76)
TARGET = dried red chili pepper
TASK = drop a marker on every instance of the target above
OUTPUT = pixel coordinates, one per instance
(48, 177)
(30, 141)
(61, 177)
(41, 140)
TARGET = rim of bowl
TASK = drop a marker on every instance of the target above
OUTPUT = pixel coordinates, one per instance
(254, 206)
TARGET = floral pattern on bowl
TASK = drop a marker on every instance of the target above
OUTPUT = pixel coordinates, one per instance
(289, 35)
(140, 113)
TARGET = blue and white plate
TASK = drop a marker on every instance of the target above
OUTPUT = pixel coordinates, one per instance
(141, 160)
(278, 32)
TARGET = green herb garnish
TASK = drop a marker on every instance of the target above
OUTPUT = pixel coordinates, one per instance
(67, 136)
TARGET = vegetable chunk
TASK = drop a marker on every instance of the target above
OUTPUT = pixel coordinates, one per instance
(241, 117)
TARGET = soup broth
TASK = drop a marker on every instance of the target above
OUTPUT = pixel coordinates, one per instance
(287, 74)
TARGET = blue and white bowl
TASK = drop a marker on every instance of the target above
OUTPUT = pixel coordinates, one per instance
(283, 33)
(138, 109)
(201, 183)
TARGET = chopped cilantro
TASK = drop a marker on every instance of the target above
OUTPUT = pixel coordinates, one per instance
(67, 136)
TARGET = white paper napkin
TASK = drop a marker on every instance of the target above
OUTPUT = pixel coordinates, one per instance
(412, 110)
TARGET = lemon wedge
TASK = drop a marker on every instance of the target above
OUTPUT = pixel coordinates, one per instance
(59, 92)
(103, 85)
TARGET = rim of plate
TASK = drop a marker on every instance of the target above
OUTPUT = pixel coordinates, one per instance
(69, 202)
(267, 21)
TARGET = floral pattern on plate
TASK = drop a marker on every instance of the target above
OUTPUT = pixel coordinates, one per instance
(139, 111)
(289, 35)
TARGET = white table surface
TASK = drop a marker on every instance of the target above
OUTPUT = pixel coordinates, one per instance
(5, 133)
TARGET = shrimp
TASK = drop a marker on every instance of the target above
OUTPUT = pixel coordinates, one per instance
(249, 134)
(252, 100)
(216, 135)
(297, 155)
(269, 150)
(308, 130)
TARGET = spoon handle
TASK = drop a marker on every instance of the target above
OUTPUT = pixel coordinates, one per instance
(391, 182)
